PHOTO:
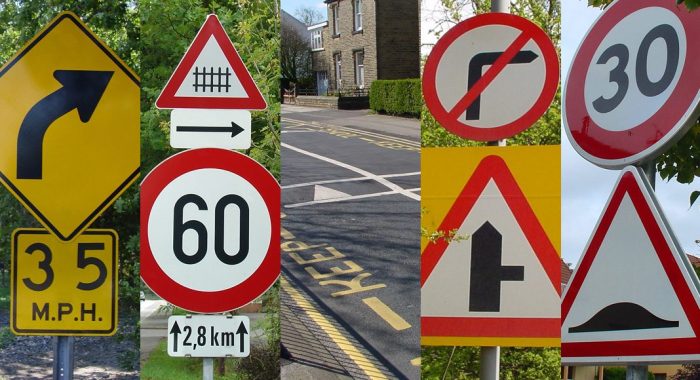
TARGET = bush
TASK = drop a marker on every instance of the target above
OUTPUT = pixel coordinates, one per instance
(396, 97)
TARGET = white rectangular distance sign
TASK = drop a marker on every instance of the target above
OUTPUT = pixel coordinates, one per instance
(209, 336)
(206, 128)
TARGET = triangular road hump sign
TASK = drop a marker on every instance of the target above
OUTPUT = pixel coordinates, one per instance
(633, 297)
(498, 281)
(211, 75)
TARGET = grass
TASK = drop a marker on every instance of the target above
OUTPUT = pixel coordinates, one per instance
(161, 366)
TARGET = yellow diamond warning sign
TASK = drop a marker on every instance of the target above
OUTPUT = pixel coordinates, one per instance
(69, 135)
(64, 288)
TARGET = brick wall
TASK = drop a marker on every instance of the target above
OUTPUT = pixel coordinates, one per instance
(398, 39)
(349, 41)
(389, 39)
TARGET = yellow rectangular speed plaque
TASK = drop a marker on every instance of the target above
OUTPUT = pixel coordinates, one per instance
(64, 288)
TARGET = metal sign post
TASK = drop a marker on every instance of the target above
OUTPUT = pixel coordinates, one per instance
(491, 356)
(639, 372)
(63, 358)
(208, 369)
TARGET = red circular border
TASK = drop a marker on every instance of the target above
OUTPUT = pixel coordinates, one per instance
(616, 149)
(430, 91)
(248, 290)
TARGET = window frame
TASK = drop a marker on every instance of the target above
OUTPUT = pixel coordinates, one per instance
(357, 15)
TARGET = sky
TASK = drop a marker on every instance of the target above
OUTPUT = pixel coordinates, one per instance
(585, 187)
(290, 6)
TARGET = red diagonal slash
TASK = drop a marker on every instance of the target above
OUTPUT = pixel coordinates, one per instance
(489, 76)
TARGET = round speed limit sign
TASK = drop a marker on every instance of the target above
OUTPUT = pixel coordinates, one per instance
(634, 85)
(210, 227)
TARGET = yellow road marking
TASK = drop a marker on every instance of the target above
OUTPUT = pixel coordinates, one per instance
(385, 312)
(416, 362)
(338, 338)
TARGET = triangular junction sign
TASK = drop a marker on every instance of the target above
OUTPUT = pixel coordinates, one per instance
(498, 281)
(211, 75)
(632, 297)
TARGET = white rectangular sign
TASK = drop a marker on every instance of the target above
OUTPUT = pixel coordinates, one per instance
(209, 336)
(206, 128)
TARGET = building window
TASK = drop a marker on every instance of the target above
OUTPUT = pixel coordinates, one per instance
(360, 69)
(357, 8)
(336, 19)
(338, 71)
(317, 39)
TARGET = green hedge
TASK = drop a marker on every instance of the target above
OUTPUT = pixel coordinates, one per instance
(396, 97)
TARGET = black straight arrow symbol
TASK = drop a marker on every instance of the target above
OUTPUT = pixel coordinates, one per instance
(175, 330)
(242, 331)
(82, 90)
(235, 129)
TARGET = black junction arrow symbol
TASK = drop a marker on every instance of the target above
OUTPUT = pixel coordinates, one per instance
(242, 330)
(82, 90)
(235, 129)
(175, 330)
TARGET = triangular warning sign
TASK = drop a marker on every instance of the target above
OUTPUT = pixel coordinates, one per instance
(498, 281)
(633, 296)
(211, 75)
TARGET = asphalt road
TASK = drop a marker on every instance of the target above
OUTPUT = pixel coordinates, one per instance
(351, 214)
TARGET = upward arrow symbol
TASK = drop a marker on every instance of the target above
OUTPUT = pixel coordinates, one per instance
(82, 90)
(175, 330)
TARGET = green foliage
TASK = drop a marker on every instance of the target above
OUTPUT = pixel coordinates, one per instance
(117, 24)
(160, 366)
(516, 363)
(688, 372)
(396, 97)
(546, 131)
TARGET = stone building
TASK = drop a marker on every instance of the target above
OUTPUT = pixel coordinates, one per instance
(365, 40)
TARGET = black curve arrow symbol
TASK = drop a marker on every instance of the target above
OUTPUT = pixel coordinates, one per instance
(235, 129)
(82, 90)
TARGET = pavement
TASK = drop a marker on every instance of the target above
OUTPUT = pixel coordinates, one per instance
(350, 242)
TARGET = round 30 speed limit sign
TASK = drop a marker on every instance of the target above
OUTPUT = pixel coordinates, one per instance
(210, 227)
(634, 84)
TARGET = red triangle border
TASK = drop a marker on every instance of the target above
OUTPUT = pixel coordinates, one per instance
(629, 183)
(493, 167)
(211, 27)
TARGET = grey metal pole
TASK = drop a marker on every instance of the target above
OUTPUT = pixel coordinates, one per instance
(490, 367)
(208, 369)
(63, 359)
(502, 6)
(490, 357)
(636, 372)
(639, 372)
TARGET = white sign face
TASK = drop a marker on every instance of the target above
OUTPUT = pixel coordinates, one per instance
(209, 336)
(491, 76)
(526, 292)
(633, 88)
(209, 230)
(632, 297)
(204, 128)
(643, 55)
(234, 221)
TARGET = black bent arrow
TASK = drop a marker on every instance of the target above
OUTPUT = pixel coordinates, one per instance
(82, 90)
(476, 65)
(242, 330)
(175, 330)
(235, 129)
